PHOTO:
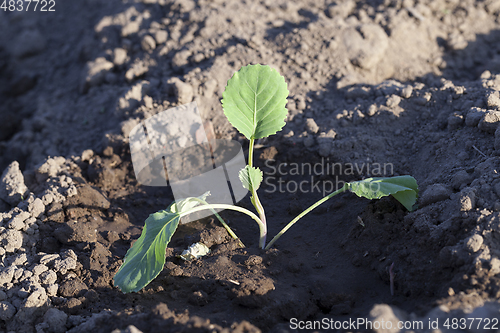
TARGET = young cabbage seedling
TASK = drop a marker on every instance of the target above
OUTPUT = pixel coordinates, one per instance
(254, 102)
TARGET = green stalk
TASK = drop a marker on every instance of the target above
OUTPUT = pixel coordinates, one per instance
(250, 152)
(262, 226)
(319, 202)
(229, 230)
(256, 202)
(260, 209)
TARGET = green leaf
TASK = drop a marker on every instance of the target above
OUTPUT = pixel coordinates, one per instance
(145, 260)
(402, 188)
(254, 101)
(251, 178)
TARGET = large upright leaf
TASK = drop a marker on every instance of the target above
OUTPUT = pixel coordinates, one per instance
(144, 261)
(254, 101)
(402, 188)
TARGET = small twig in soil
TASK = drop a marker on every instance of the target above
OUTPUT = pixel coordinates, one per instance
(235, 282)
(391, 278)
(480, 152)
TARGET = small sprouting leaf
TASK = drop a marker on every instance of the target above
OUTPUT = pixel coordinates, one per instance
(402, 188)
(254, 101)
(251, 178)
(144, 261)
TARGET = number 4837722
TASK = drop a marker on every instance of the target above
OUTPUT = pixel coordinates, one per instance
(28, 5)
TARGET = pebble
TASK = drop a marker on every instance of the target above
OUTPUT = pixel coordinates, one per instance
(183, 91)
(489, 123)
(467, 200)
(311, 126)
(161, 36)
(95, 73)
(119, 56)
(393, 101)
(36, 208)
(474, 243)
(148, 43)
(17, 222)
(12, 187)
(493, 99)
(11, 240)
(407, 91)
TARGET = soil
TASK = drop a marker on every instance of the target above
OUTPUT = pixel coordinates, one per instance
(377, 88)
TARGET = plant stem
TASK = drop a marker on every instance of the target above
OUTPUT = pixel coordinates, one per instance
(316, 204)
(231, 232)
(260, 209)
(250, 152)
(256, 202)
(262, 226)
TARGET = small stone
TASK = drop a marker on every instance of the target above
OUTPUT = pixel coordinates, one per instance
(11, 240)
(52, 289)
(253, 260)
(198, 298)
(12, 187)
(148, 43)
(48, 277)
(311, 126)
(407, 91)
(56, 319)
(393, 101)
(493, 99)
(467, 199)
(372, 109)
(48, 259)
(435, 193)
(63, 266)
(36, 208)
(7, 311)
(119, 56)
(183, 91)
(161, 36)
(17, 222)
(181, 59)
(131, 28)
(474, 243)
(39, 269)
(489, 123)
(494, 266)
(87, 155)
(137, 69)
(95, 73)
(7, 274)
